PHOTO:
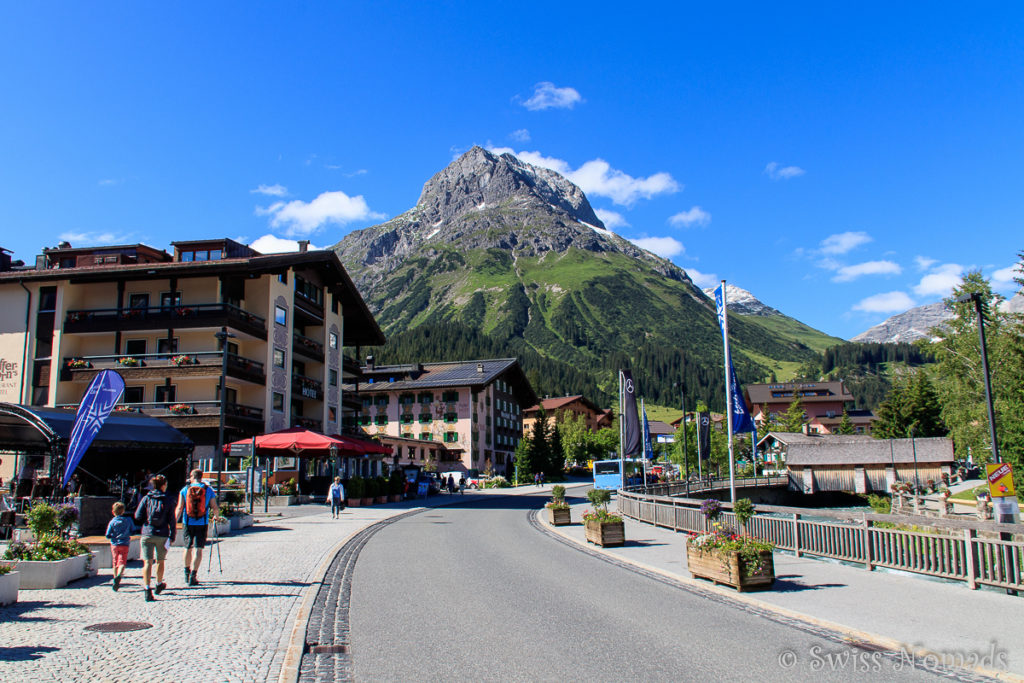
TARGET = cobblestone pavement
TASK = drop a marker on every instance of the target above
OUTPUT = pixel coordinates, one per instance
(233, 627)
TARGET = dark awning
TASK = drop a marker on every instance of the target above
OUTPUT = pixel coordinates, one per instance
(41, 430)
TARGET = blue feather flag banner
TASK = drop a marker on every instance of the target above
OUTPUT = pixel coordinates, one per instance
(631, 444)
(93, 411)
(741, 419)
(648, 446)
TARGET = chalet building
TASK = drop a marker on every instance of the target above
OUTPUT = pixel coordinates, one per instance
(717, 420)
(556, 409)
(823, 404)
(856, 462)
(473, 408)
(152, 317)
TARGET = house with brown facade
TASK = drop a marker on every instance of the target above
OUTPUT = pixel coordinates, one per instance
(556, 409)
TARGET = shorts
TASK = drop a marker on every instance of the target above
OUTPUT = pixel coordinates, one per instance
(154, 546)
(195, 536)
(119, 555)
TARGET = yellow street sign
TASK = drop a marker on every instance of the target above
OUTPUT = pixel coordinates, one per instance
(1000, 480)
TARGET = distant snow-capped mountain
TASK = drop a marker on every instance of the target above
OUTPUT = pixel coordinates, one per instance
(908, 326)
(739, 300)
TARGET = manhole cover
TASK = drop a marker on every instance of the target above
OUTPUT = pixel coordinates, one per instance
(118, 626)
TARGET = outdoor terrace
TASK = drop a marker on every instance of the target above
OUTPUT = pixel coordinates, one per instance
(164, 317)
(159, 365)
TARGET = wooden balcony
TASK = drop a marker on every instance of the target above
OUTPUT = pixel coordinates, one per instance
(196, 414)
(166, 317)
(307, 388)
(160, 365)
(310, 348)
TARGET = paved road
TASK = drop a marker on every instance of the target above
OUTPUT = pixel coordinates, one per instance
(477, 592)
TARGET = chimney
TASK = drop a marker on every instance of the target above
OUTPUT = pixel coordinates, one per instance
(303, 246)
(479, 367)
(369, 362)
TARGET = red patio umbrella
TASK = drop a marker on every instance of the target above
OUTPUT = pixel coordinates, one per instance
(362, 445)
(296, 440)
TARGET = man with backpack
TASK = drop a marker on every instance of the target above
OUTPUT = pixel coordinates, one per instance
(158, 531)
(196, 501)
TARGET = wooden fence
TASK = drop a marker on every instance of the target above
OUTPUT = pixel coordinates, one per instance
(977, 553)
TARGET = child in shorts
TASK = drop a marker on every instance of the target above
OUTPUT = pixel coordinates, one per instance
(119, 531)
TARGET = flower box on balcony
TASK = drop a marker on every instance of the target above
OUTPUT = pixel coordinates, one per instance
(182, 409)
(129, 362)
(184, 360)
(79, 364)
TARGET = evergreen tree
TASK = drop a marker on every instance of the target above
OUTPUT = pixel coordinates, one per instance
(912, 405)
(540, 448)
(556, 462)
(793, 420)
(524, 462)
(890, 418)
(845, 425)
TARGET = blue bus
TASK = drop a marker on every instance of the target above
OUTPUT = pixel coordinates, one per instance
(607, 474)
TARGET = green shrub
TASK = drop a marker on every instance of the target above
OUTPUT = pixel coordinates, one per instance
(744, 510)
(383, 488)
(599, 498)
(46, 549)
(396, 483)
(558, 492)
(42, 519)
(356, 487)
(6, 569)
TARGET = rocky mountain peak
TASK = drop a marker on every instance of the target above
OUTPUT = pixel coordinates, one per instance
(740, 300)
(908, 326)
(479, 179)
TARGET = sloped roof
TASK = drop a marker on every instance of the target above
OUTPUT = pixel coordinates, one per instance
(659, 427)
(858, 449)
(471, 373)
(763, 393)
(552, 404)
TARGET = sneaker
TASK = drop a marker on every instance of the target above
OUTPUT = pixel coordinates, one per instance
(192, 580)
(117, 583)
(187, 573)
(149, 595)
(161, 587)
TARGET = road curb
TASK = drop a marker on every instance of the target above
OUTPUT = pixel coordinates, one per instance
(851, 633)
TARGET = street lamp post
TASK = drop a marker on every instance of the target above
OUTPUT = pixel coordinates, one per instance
(222, 337)
(682, 404)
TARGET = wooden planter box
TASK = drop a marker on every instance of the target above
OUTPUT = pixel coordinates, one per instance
(395, 498)
(380, 500)
(39, 575)
(9, 588)
(605, 534)
(355, 502)
(559, 517)
(728, 569)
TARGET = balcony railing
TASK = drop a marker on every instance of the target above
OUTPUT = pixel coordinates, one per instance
(307, 387)
(163, 317)
(196, 363)
(307, 423)
(186, 409)
(310, 348)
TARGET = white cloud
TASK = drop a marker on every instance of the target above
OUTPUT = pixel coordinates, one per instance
(702, 280)
(666, 247)
(777, 172)
(91, 239)
(848, 273)
(940, 281)
(521, 135)
(107, 182)
(611, 219)
(924, 263)
(353, 174)
(271, 190)
(597, 178)
(269, 244)
(843, 242)
(300, 218)
(547, 96)
(695, 216)
(1003, 278)
(889, 302)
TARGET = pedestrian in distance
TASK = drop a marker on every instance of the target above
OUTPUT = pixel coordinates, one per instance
(462, 485)
(451, 484)
(336, 497)
(536, 478)
(156, 517)
(119, 531)
(196, 501)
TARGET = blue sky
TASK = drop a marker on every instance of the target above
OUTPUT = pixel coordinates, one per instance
(841, 164)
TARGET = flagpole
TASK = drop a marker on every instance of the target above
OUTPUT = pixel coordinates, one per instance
(728, 392)
(643, 447)
(622, 435)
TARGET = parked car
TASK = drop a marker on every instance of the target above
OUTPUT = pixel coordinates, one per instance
(433, 485)
(473, 478)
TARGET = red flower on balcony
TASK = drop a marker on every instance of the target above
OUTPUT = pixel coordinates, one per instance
(182, 409)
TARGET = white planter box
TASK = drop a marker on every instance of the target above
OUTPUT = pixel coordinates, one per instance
(240, 521)
(9, 588)
(223, 529)
(37, 575)
(102, 558)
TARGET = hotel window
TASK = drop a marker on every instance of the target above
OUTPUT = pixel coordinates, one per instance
(134, 394)
(135, 347)
(332, 378)
(278, 402)
(188, 256)
(167, 345)
(333, 340)
(332, 414)
(215, 254)
(202, 255)
(283, 278)
(280, 316)
(278, 358)
(138, 301)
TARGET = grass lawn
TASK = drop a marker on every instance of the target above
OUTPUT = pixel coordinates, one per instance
(969, 494)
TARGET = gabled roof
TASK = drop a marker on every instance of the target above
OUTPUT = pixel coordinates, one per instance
(551, 405)
(471, 373)
(858, 449)
(658, 427)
